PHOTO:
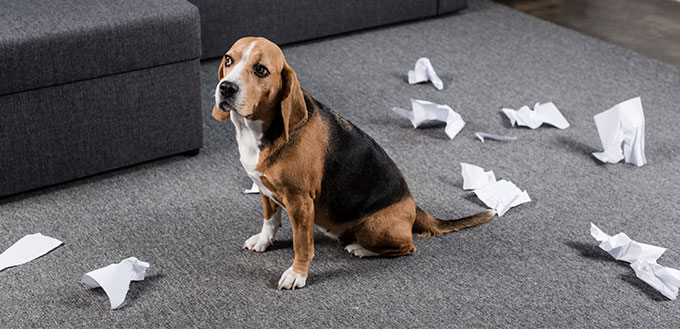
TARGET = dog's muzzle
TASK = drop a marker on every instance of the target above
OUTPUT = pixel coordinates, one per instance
(227, 95)
(228, 89)
(225, 106)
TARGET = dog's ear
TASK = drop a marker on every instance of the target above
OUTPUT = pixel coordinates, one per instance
(293, 107)
(218, 114)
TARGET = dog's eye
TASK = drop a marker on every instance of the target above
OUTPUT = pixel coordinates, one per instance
(261, 71)
(228, 60)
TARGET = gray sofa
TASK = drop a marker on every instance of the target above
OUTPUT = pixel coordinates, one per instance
(89, 86)
(286, 21)
(93, 85)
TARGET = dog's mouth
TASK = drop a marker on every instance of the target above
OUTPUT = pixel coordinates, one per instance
(225, 106)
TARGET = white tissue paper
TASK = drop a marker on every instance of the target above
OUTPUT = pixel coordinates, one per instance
(542, 113)
(427, 111)
(253, 190)
(483, 136)
(622, 133)
(27, 249)
(475, 177)
(664, 279)
(498, 195)
(621, 247)
(643, 259)
(424, 72)
(115, 278)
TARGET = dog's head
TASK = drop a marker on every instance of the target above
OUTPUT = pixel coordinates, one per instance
(256, 83)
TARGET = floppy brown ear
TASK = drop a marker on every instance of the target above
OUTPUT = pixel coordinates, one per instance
(218, 114)
(293, 107)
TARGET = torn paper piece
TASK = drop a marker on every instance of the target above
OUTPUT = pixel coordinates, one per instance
(253, 190)
(424, 72)
(501, 196)
(498, 195)
(621, 247)
(482, 136)
(427, 111)
(664, 279)
(27, 249)
(115, 278)
(643, 259)
(542, 113)
(475, 177)
(622, 133)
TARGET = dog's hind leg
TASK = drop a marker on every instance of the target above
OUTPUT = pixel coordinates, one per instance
(387, 232)
(272, 221)
(356, 249)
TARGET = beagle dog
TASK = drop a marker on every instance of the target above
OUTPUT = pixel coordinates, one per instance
(319, 167)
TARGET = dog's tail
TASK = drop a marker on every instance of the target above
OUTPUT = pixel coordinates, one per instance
(426, 225)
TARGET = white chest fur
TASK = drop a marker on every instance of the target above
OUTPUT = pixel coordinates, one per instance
(248, 136)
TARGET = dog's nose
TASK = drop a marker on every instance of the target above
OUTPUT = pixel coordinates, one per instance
(228, 89)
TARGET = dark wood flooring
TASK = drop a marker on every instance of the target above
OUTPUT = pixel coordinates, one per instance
(649, 27)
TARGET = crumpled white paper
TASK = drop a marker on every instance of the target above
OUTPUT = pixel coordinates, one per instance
(115, 278)
(643, 259)
(621, 247)
(27, 249)
(475, 177)
(542, 113)
(253, 190)
(498, 195)
(664, 279)
(424, 72)
(501, 138)
(427, 111)
(622, 133)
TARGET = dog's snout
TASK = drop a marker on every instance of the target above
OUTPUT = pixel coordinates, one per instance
(228, 89)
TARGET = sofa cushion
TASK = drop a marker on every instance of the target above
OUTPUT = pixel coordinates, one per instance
(451, 6)
(95, 125)
(284, 21)
(50, 42)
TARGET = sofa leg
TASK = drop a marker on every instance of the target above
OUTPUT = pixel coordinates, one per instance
(191, 153)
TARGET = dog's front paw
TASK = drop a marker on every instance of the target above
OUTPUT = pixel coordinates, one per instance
(258, 242)
(291, 280)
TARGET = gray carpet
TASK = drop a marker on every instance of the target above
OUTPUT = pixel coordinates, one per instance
(536, 266)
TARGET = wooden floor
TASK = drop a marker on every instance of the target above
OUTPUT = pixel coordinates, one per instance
(649, 27)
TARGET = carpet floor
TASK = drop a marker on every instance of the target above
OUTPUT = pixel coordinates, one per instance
(536, 266)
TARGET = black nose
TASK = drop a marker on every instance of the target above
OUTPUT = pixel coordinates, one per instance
(228, 89)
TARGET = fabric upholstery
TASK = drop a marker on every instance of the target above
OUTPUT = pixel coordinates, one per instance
(450, 6)
(286, 21)
(51, 135)
(48, 42)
